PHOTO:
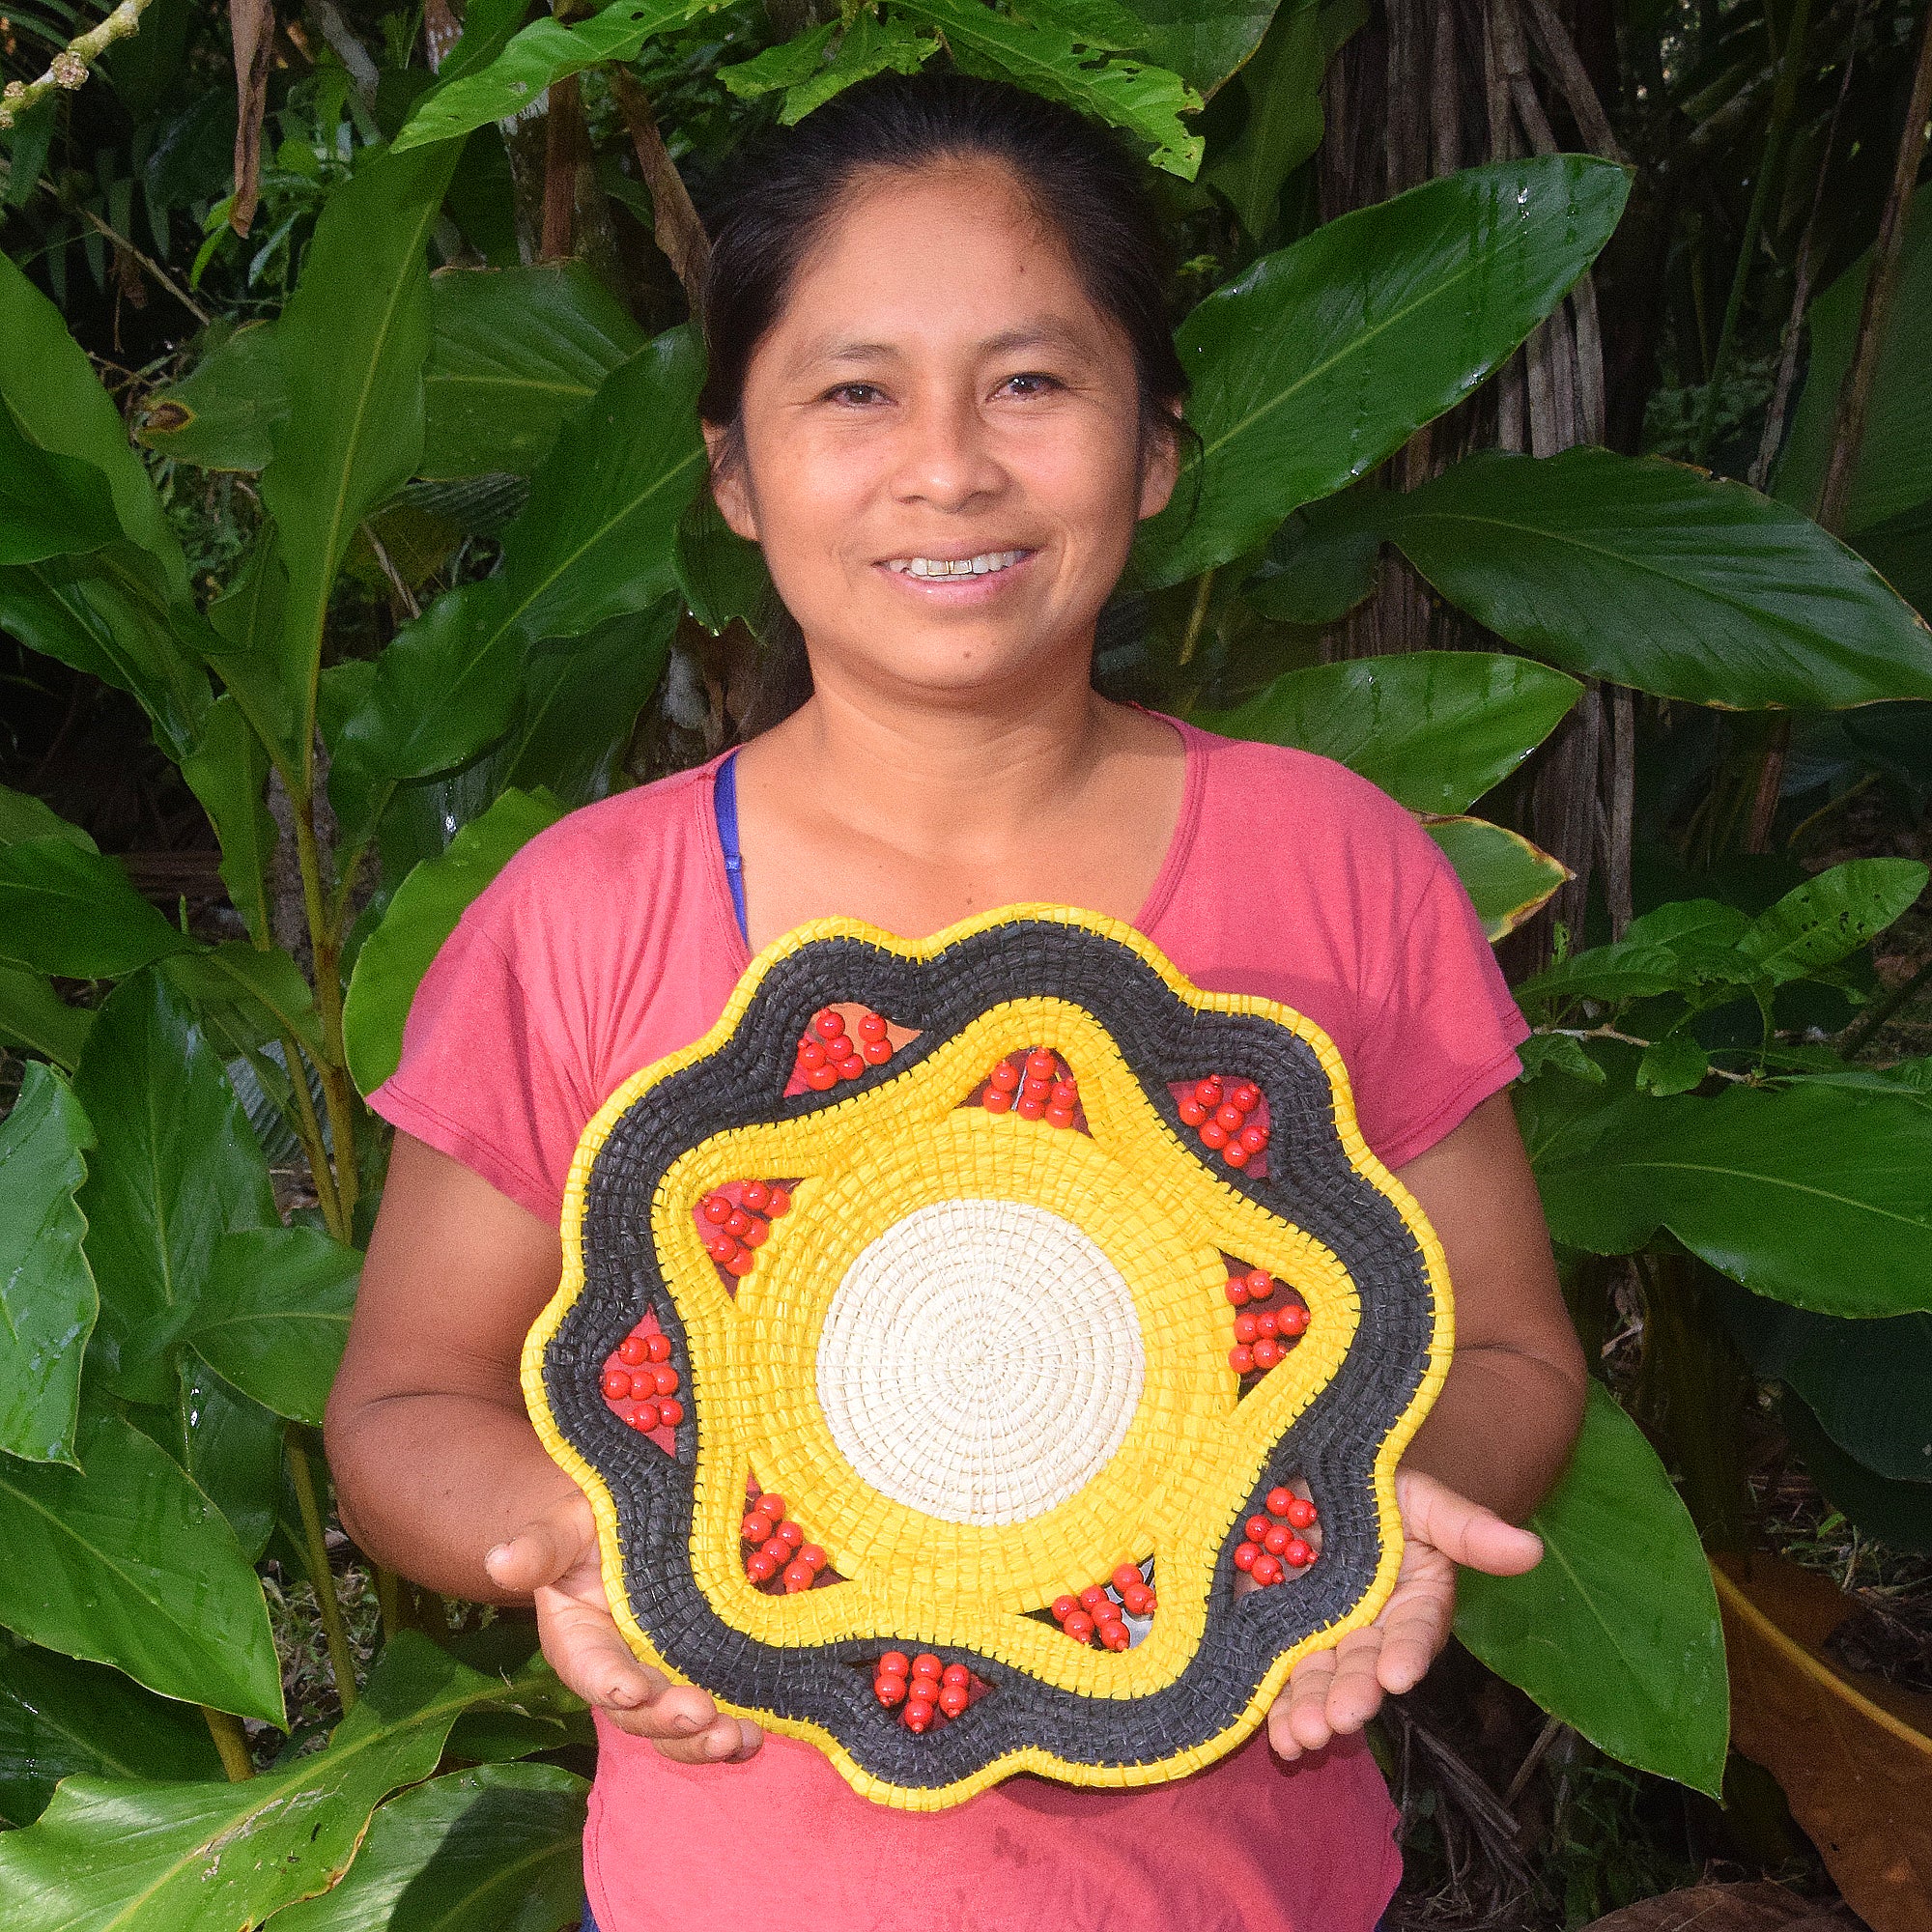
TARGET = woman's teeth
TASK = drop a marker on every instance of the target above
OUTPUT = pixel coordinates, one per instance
(961, 566)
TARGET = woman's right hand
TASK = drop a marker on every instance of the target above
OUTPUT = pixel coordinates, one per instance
(556, 1559)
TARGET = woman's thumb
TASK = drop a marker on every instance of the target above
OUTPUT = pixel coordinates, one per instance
(538, 1553)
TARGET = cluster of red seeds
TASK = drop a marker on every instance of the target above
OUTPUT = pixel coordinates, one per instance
(1262, 1335)
(638, 1373)
(735, 1230)
(1094, 1615)
(828, 1054)
(1272, 1546)
(921, 1689)
(1218, 1110)
(776, 1546)
(1040, 1088)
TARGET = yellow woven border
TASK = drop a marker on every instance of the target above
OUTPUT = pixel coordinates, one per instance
(1038, 1758)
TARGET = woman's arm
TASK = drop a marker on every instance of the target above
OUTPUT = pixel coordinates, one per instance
(438, 1471)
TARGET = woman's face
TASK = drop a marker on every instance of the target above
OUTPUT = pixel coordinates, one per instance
(941, 440)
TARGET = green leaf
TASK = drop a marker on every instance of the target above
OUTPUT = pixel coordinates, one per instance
(50, 388)
(1328, 356)
(34, 1015)
(787, 65)
(264, 984)
(232, 1450)
(49, 505)
(1680, 946)
(497, 1849)
(228, 772)
(513, 352)
(273, 1314)
(421, 915)
(1655, 575)
(242, 641)
(1436, 729)
(133, 1566)
(59, 1719)
(1319, 564)
(871, 46)
(1558, 1053)
(723, 576)
(353, 339)
(1204, 41)
(175, 1167)
(154, 1857)
(46, 1290)
(1834, 913)
(545, 51)
(1615, 1631)
(1507, 878)
(224, 412)
(1894, 464)
(23, 817)
(1812, 1194)
(1283, 84)
(72, 913)
(1061, 50)
(1672, 1065)
(1898, 1515)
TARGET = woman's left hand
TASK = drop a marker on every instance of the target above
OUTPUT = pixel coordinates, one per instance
(1336, 1692)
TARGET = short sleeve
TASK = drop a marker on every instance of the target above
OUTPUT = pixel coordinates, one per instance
(1445, 1033)
(479, 1079)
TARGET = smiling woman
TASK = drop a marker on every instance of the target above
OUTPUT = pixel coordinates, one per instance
(942, 396)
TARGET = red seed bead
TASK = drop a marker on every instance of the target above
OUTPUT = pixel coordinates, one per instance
(1106, 1611)
(1042, 1064)
(1265, 1323)
(1237, 1292)
(736, 1223)
(954, 1698)
(1245, 1328)
(1059, 1116)
(1277, 1540)
(956, 1673)
(1127, 1576)
(895, 1663)
(889, 1691)
(1036, 1086)
(645, 1417)
(1092, 1594)
(616, 1385)
(1064, 1094)
(630, 1350)
(1141, 1603)
(852, 1066)
(759, 1567)
(821, 1079)
(1241, 1359)
(1259, 1282)
(1117, 1637)
(755, 1196)
(918, 1713)
(998, 1101)
(780, 1200)
(1245, 1554)
(1300, 1511)
(1257, 1527)
(1193, 1112)
(1234, 1154)
(1298, 1556)
(876, 1052)
(776, 1549)
(1293, 1321)
(1229, 1118)
(1207, 1092)
(1254, 1138)
(671, 1412)
(1247, 1097)
(814, 1557)
(1006, 1076)
(773, 1505)
(1030, 1107)
(657, 1347)
(1064, 1608)
(717, 1210)
(829, 1024)
(791, 1536)
(757, 1234)
(871, 1026)
(796, 1577)
(758, 1528)
(1280, 1501)
(741, 1264)
(925, 1665)
(1079, 1626)
(1268, 1352)
(811, 1055)
(1214, 1135)
(1266, 1568)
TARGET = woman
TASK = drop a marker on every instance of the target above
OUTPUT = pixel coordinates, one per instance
(942, 395)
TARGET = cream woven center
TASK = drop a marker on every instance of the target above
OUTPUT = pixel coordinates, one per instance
(981, 1361)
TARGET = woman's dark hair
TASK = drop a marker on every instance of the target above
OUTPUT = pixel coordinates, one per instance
(1083, 185)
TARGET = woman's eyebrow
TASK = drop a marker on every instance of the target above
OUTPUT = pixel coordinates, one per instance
(1047, 332)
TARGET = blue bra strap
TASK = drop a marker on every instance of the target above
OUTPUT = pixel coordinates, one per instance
(724, 800)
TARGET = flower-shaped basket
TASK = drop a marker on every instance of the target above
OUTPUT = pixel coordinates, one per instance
(990, 1355)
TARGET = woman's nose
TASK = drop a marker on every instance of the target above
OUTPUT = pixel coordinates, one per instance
(945, 457)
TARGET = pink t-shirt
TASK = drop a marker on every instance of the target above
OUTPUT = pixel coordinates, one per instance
(610, 940)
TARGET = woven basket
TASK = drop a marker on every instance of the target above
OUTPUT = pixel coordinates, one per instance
(987, 1359)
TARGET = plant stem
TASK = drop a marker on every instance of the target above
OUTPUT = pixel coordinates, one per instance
(1879, 1010)
(1783, 97)
(388, 1600)
(309, 1130)
(327, 944)
(231, 1740)
(68, 68)
(1196, 617)
(315, 1554)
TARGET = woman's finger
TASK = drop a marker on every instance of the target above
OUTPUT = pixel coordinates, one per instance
(587, 1652)
(1415, 1625)
(1354, 1691)
(1307, 1700)
(1465, 1532)
(540, 1552)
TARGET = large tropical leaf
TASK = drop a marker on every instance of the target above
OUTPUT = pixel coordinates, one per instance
(132, 1566)
(176, 1166)
(421, 915)
(1206, 40)
(116, 1856)
(1434, 729)
(513, 352)
(72, 913)
(1060, 48)
(34, 1015)
(497, 1849)
(353, 342)
(1655, 575)
(224, 412)
(1507, 878)
(228, 772)
(1895, 1514)
(232, 1448)
(49, 505)
(1283, 89)
(1831, 916)
(1615, 1631)
(1325, 356)
(47, 1298)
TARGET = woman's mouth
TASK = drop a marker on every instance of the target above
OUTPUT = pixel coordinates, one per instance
(988, 564)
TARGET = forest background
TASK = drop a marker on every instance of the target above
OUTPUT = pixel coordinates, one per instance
(1564, 377)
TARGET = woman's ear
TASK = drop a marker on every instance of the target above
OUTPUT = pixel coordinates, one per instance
(727, 483)
(1161, 466)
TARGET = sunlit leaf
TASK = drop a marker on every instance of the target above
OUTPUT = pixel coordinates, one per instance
(1507, 877)
(273, 1312)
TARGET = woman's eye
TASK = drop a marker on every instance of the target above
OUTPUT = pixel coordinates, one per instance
(856, 395)
(1030, 383)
